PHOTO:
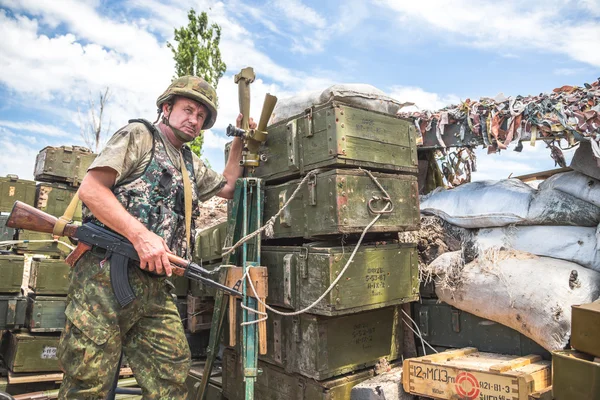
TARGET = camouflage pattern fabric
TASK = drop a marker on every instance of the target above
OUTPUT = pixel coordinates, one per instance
(156, 199)
(149, 330)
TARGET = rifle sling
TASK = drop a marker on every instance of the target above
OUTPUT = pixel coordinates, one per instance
(66, 218)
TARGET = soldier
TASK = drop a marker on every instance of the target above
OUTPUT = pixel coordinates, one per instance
(136, 187)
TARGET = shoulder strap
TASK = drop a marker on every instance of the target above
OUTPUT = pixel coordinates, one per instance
(187, 195)
(67, 217)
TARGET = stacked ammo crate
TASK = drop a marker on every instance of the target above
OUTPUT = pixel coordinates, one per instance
(323, 353)
(34, 316)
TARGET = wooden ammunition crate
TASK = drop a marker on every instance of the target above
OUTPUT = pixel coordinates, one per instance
(469, 374)
(575, 375)
(46, 314)
(11, 273)
(321, 347)
(336, 135)
(199, 313)
(585, 328)
(380, 275)
(209, 243)
(6, 233)
(49, 276)
(67, 164)
(198, 289)
(343, 202)
(48, 247)
(275, 383)
(54, 198)
(23, 352)
(12, 189)
(442, 325)
(12, 312)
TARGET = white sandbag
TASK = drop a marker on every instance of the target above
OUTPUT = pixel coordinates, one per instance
(530, 294)
(571, 243)
(354, 94)
(576, 184)
(481, 204)
(486, 204)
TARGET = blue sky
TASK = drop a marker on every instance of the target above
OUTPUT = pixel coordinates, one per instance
(55, 53)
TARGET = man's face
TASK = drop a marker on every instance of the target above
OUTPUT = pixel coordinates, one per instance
(187, 115)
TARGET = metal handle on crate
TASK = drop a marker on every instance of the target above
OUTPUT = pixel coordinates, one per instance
(383, 210)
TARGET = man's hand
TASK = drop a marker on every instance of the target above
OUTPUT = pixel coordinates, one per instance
(238, 122)
(152, 251)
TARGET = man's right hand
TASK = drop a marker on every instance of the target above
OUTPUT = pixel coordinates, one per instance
(152, 250)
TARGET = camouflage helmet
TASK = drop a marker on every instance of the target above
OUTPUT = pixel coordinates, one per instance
(196, 89)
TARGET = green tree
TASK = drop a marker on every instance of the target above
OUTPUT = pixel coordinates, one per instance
(197, 53)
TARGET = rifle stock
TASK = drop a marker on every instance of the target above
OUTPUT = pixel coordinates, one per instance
(24, 216)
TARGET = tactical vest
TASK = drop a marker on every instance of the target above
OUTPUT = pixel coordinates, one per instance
(156, 197)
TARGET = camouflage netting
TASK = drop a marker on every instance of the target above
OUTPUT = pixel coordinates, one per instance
(569, 112)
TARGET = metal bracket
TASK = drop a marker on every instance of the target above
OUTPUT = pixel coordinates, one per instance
(287, 277)
(303, 255)
(310, 129)
(312, 190)
(456, 320)
(424, 322)
(296, 331)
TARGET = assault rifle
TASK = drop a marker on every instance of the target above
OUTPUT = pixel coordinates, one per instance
(116, 247)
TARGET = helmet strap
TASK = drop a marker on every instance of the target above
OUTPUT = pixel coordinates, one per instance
(178, 134)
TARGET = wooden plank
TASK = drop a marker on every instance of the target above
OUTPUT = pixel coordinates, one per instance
(52, 377)
(542, 174)
(448, 355)
(545, 394)
(516, 363)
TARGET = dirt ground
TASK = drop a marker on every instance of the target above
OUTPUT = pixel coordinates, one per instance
(212, 212)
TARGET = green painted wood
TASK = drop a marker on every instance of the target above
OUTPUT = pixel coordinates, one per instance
(321, 347)
(46, 314)
(198, 289)
(12, 312)
(445, 326)
(585, 328)
(54, 198)
(66, 164)
(575, 375)
(49, 248)
(380, 275)
(11, 273)
(336, 135)
(209, 243)
(336, 203)
(49, 276)
(26, 388)
(6, 233)
(23, 352)
(13, 189)
(275, 384)
(181, 285)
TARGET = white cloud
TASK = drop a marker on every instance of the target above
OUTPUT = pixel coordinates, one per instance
(297, 12)
(423, 100)
(569, 71)
(508, 25)
(21, 165)
(35, 127)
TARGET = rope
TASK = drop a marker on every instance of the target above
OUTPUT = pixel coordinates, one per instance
(269, 225)
(423, 341)
(11, 242)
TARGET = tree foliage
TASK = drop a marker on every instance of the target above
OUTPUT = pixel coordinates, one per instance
(197, 53)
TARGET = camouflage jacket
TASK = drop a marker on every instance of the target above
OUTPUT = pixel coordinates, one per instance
(156, 197)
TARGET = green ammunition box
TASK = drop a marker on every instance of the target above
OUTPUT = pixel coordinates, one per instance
(380, 275)
(46, 314)
(12, 189)
(181, 285)
(321, 347)
(49, 276)
(342, 202)
(54, 198)
(198, 289)
(23, 352)
(214, 391)
(67, 164)
(6, 233)
(209, 243)
(442, 325)
(26, 388)
(575, 375)
(274, 383)
(585, 328)
(198, 342)
(41, 243)
(12, 312)
(336, 135)
(11, 273)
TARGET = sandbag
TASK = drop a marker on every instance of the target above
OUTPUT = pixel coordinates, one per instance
(576, 184)
(530, 294)
(486, 204)
(571, 243)
(354, 94)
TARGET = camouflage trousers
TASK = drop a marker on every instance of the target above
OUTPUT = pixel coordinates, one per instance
(149, 331)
